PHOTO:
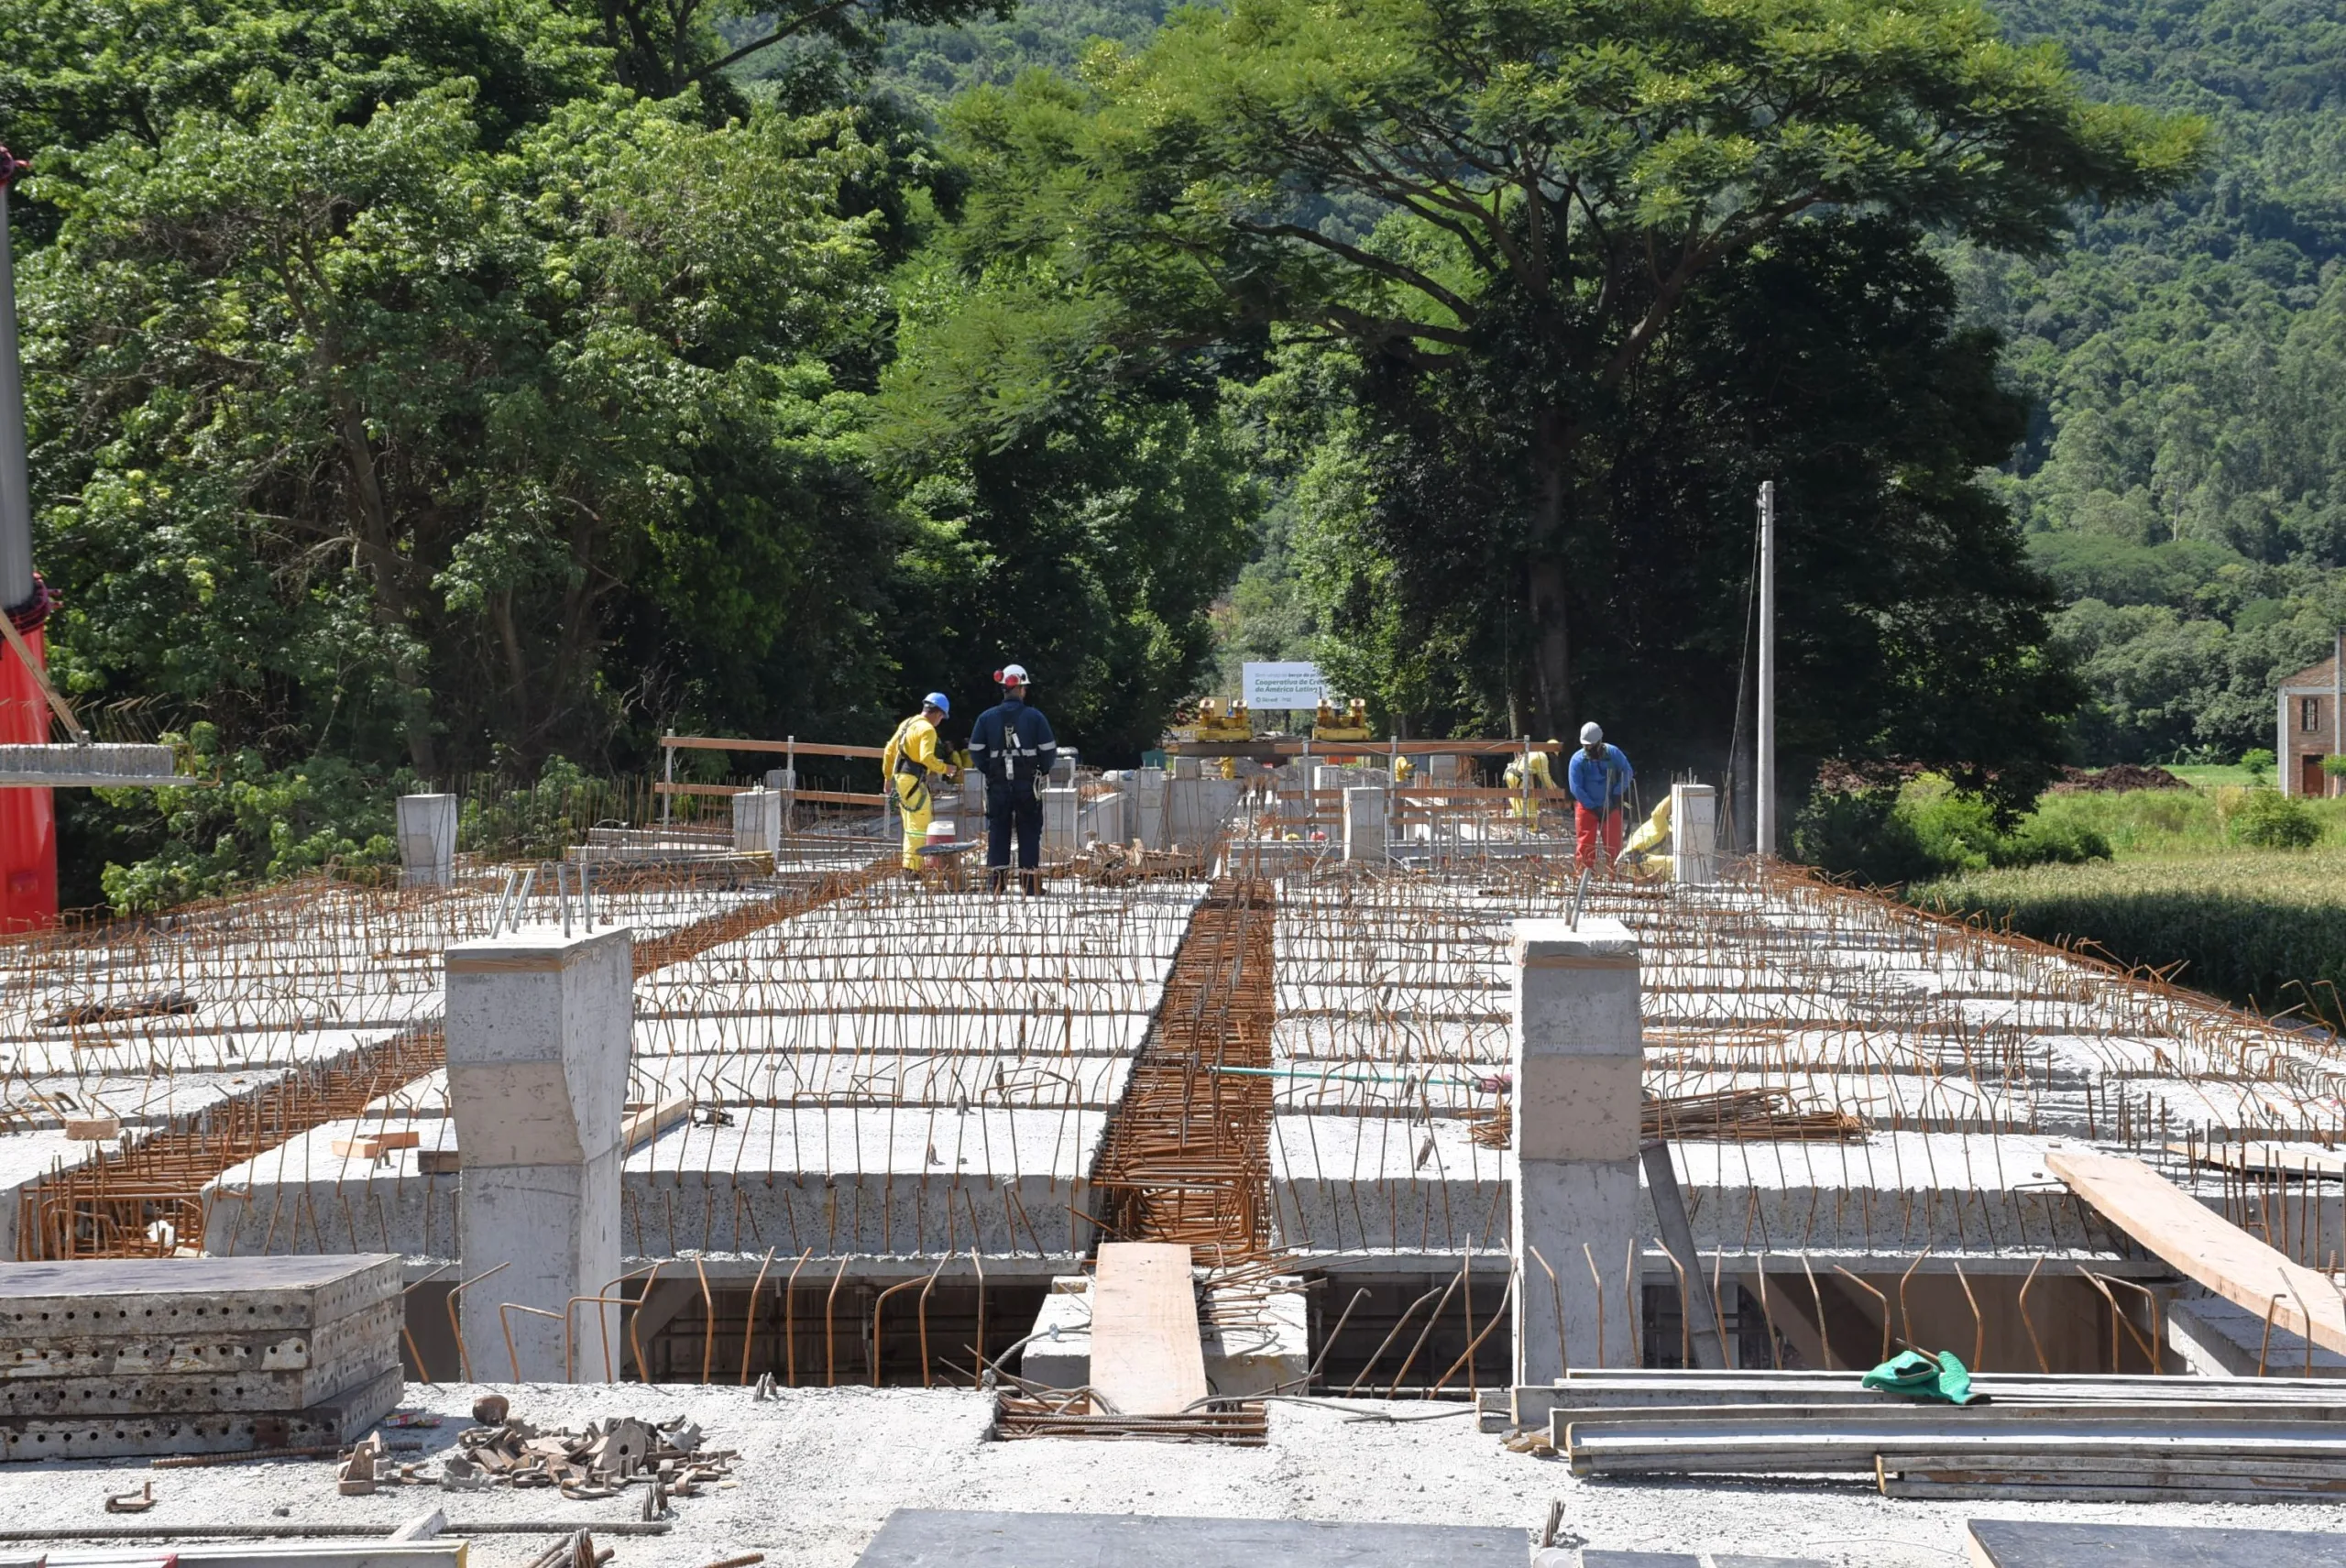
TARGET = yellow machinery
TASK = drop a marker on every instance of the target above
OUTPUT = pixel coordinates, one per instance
(1216, 723)
(1351, 724)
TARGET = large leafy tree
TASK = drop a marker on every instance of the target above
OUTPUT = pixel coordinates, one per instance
(1525, 195)
(418, 428)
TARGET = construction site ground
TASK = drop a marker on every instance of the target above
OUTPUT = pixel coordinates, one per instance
(820, 1470)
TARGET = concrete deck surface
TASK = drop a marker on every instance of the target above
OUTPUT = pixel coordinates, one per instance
(822, 1469)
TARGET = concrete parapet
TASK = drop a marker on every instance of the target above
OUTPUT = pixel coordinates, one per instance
(537, 1033)
(427, 828)
(1578, 1062)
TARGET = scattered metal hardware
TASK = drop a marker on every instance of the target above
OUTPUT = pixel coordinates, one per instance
(356, 1476)
(609, 1455)
(137, 1502)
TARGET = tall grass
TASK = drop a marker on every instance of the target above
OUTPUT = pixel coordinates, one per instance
(2263, 928)
(2173, 822)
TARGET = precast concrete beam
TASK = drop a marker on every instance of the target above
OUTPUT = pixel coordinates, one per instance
(537, 1033)
(1578, 1062)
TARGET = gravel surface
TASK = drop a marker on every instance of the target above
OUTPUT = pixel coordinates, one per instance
(820, 1469)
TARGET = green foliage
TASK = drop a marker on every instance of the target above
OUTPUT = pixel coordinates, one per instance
(1861, 834)
(2271, 820)
(539, 820)
(256, 824)
(2261, 929)
(1515, 479)
(462, 384)
(1931, 829)
(2186, 362)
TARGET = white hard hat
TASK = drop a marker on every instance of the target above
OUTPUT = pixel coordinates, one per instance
(1591, 733)
(1011, 675)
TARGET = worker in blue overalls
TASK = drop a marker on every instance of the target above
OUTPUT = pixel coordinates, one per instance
(1011, 745)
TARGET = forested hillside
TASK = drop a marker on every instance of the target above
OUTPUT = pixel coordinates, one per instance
(2184, 480)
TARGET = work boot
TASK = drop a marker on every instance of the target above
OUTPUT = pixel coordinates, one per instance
(1031, 884)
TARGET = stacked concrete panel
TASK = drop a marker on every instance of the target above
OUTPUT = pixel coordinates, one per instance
(121, 1357)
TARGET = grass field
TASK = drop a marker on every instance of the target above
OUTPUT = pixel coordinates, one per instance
(2168, 823)
(2260, 927)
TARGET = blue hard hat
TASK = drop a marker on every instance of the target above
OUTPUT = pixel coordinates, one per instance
(939, 701)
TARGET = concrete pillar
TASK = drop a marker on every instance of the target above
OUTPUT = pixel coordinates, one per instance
(1695, 833)
(1062, 822)
(427, 829)
(537, 1031)
(1106, 819)
(1148, 802)
(757, 822)
(1578, 1066)
(1365, 823)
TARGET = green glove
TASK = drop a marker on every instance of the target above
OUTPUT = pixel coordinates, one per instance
(1921, 1374)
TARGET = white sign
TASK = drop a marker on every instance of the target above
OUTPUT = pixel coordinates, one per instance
(1292, 685)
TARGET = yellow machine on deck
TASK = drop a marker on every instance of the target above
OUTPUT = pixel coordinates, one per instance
(1214, 724)
(1349, 725)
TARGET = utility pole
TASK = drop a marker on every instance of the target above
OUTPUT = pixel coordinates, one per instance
(2337, 711)
(1764, 770)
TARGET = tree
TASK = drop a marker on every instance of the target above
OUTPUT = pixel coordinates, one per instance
(1532, 191)
(415, 431)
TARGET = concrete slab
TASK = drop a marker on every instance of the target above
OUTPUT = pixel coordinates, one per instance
(922, 1538)
(2038, 1543)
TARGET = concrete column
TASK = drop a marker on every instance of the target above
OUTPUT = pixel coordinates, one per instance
(1062, 822)
(783, 782)
(1578, 1065)
(427, 829)
(1148, 801)
(757, 822)
(1107, 815)
(1365, 824)
(537, 1030)
(1695, 833)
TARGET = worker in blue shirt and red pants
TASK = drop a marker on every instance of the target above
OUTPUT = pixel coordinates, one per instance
(1599, 779)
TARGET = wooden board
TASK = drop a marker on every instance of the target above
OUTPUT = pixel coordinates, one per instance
(1146, 1358)
(2265, 1159)
(2176, 1227)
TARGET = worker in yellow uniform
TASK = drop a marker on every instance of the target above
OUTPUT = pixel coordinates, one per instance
(909, 759)
(1536, 764)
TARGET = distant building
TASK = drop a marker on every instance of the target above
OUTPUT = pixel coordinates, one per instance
(2307, 730)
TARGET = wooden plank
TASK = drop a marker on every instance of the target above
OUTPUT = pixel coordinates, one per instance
(2265, 1159)
(2172, 1224)
(730, 743)
(1146, 1357)
(646, 1122)
(818, 796)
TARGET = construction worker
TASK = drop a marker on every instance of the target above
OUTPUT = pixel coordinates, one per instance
(1599, 779)
(909, 760)
(1012, 743)
(1535, 765)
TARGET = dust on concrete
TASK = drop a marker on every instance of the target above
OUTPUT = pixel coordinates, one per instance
(821, 1469)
